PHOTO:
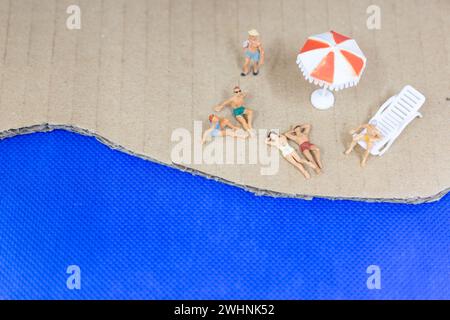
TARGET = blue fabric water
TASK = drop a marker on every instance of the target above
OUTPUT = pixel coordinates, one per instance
(139, 230)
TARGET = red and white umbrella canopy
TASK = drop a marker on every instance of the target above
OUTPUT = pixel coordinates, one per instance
(332, 60)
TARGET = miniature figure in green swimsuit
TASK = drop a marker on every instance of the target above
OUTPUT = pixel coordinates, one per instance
(243, 115)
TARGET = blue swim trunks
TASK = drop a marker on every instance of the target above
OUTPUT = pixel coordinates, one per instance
(254, 56)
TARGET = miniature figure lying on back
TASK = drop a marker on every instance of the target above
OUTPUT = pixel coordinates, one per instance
(300, 135)
(281, 142)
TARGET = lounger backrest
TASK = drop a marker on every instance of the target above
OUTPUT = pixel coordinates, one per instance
(393, 117)
(401, 110)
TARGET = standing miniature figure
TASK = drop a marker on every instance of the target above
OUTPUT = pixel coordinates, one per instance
(300, 135)
(219, 129)
(243, 115)
(281, 142)
(367, 133)
(254, 53)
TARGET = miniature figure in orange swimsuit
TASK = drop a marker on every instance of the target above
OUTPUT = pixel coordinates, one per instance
(218, 129)
(300, 135)
(367, 132)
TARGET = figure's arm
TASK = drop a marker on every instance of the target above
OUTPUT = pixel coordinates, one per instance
(262, 54)
(354, 131)
(292, 131)
(290, 134)
(219, 107)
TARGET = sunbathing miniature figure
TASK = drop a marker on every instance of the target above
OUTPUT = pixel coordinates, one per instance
(367, 133)
(300, 135)
(254, 53)
(281, 142)
(219, 129)
(243, 115)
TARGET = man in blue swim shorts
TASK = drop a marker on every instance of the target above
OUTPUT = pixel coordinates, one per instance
(254, 53)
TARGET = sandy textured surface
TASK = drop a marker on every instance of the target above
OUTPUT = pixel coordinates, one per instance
(139, 69)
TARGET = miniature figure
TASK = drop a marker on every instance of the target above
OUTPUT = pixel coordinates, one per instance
(254, 53)
(394, 109)
(219, 129)
(243, 115)
(367, 133)
(281, 142)
(300, 135)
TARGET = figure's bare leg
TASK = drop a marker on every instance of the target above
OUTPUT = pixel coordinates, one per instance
(243, 123)
(366, 154)
(353, 144)
(351, 147)
(316, 153)
(246, 68)
(234, 134)
(310, 164)
(296, 164)
(249, 114)
(308, 155)
(256, 68)
(229, 124)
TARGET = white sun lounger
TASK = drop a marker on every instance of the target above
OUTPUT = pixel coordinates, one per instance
(394, 116)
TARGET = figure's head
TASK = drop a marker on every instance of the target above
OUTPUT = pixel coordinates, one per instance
(298, 130)
(273, 136)
(253, 34)
(213, 118)
(237, 90)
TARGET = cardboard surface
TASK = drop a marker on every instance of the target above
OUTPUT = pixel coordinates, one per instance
(137, 70)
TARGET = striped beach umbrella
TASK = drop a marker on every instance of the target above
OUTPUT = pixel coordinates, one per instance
(332, 61)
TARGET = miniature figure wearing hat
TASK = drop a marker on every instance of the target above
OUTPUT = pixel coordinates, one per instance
(300, 135)
(219, 127)
(242, 114)
(367, 133)
(254, 53)
(281, 142)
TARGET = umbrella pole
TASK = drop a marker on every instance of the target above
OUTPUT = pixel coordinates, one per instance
(322, 98)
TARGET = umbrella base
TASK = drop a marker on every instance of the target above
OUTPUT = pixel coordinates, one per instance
(322, 99)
